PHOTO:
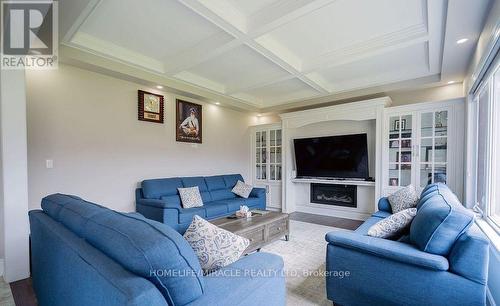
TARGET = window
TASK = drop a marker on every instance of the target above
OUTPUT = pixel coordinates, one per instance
(486, 100)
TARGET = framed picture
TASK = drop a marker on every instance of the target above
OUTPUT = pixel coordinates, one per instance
(188, 122)
(406, 143)
(394, 144)
(406, 157)
(393, 181)
(150, 107)
(400, 124)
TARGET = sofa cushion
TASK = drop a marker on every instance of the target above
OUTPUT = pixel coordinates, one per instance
(190, 197)
(222, 194)
(154, 189)
(241, 189)
(394, 225)
(402, 199)
(427, 193)
(439, 222)
(198, 181)
(149, 249)
(230, 180)
(52, 204)
(215, 209)
(215, 182)
(72, 211)
(214, 246)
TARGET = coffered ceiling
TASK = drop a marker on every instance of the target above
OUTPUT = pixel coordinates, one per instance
(273, 52)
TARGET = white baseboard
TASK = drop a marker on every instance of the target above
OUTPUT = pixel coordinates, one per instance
(1, 266)
(332, 212)
(489, 298)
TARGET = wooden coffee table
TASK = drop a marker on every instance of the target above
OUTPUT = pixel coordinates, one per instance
(259, 229)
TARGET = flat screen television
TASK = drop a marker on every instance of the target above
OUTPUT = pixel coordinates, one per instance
(335, 157)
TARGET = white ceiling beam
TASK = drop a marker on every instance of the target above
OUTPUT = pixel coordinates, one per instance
(379, 45)
(211, 16)
(435, 14)
(281, 13)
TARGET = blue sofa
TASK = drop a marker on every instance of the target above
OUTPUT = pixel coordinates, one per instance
(84, 254)
(158, 199)
(442, 261)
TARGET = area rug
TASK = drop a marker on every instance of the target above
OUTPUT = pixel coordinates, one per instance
(6, 298)
(304, 257)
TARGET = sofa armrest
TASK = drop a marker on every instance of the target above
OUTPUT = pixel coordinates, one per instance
(157, 203)
(258, 193)
(388, 249)
(384, 205)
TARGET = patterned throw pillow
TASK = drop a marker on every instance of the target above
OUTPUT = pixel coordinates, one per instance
(190, 197)
(394, 225)
(403, 198)
(214, 246)
(242, 189)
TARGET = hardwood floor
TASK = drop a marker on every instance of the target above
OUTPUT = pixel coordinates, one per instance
(326, 220)
(24, 295)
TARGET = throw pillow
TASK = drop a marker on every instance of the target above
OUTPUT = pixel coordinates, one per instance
(242, 189)
(214, 246)
(190, 197)
(394, 225)
(403, 198)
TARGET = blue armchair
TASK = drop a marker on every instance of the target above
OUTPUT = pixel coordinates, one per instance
(443, 260)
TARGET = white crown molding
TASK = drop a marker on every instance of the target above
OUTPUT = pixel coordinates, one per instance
(361, 110)
(89, 9)
(203, 82)
(98, 46)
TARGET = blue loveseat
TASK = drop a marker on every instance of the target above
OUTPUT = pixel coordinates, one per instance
(443, 260)
(158, 199)
(84, 254)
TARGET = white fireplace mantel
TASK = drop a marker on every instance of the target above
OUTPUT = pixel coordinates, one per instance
(371, 109)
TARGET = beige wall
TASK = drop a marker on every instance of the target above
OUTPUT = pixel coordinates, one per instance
(441, 93)
(87, 123)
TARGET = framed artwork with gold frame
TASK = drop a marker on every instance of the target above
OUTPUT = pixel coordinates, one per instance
(150, 107)
(189, 124)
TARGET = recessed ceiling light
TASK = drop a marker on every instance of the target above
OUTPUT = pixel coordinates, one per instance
(461, 41)
(259, 115)
(159, 86)
(451, 82)
(217, 103)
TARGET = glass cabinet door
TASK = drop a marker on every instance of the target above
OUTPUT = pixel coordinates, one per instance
(261, 155)
(400, 150)
(275, 155)
(433, 148)
(268, 146)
